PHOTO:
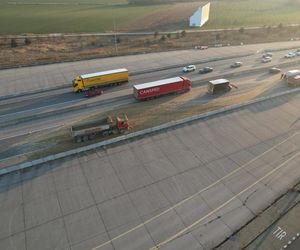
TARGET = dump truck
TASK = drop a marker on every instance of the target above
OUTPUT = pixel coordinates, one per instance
(154, 89)
(219, 86)
(95, 80)
(103, 127)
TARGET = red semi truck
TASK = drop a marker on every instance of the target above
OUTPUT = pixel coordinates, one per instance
(162, 87)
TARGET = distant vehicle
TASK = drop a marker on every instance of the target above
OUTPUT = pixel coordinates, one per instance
(268, 54)
(189, 68)
(274, 70)
(290, 73)
(236, 64)
(294, 81)
(93, 92)
(100, 79)
(219, 86)
(297, 53)
(266, 59)
(202, 47)
(206, 70)
(155, 89)
(290, 55)
(103, 127)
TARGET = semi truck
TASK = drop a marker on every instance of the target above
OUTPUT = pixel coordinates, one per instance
(219, 86)
(100, 79)
(103, 127)
(154, 89)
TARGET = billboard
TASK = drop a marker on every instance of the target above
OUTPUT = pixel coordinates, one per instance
(200, 16)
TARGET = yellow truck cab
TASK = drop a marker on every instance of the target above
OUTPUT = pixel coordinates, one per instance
(99, 79)
(78, 84)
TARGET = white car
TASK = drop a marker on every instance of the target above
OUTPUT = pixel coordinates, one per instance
(189, 68)
(290, 55)
(266, 59)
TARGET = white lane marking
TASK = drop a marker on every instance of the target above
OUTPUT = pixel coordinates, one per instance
(37, 109)
(221, 206)
(192, 196)
(31, 132)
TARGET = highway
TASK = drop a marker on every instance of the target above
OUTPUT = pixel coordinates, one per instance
(185, 188)
(21, 80)
(188, 187)
(64, 96)
(28, 114)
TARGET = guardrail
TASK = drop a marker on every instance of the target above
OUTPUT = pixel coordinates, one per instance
(138, 134)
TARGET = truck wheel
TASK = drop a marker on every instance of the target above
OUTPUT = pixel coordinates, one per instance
(78, 139)
(105, 133)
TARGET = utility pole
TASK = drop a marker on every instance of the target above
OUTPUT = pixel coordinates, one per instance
(116, 44)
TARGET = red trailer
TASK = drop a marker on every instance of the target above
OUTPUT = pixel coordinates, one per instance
(162, 87)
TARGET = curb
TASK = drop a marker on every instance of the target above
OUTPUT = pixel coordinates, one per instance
(137, 134)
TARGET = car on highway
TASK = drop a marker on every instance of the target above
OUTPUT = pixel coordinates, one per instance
(206, 70)
(236, 65)
(266, 59)
(189, 68)
(201, 47)
(268, 54)
(274, 70)
(290, 55)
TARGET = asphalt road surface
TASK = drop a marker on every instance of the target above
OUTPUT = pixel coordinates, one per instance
(19, 131)
(186, 188)
(18, 80)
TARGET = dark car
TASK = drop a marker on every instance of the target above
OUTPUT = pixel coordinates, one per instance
(206, 70)
(93, 92)
(236, 64)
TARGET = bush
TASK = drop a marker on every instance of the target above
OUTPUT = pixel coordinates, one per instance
(13, 43)
(183, 33)
(169, 35)
(27, 41)
(163, 38)
(242, 30)
(156, 34)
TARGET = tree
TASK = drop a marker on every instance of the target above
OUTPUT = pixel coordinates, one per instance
(242, 30)
(169, 35)
(177, 35)
(163, 38)
(27, 41)
(118, 40)
(13, 43)
(156, 34)
(183, 33)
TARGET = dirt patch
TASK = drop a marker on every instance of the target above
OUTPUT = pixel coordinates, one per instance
(175, 16)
